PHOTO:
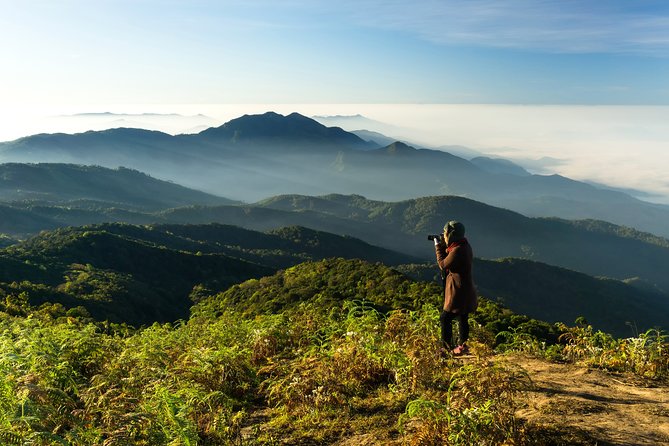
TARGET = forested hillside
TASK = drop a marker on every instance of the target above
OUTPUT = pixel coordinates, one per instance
(560, 295)
(37, 197)
(141, 274)
(305, 361)
(114, 277)
(592, 247)
(588, 246)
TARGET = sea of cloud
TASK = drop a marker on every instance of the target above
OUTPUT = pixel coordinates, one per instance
(624, 147)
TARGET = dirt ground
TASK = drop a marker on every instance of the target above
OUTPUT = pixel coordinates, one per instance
(573, 405)
(610, 409)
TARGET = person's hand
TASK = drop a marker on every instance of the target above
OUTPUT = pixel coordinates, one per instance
(437, 240)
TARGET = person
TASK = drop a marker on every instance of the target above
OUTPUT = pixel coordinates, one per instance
(454, 257)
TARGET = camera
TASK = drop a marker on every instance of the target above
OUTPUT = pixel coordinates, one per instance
(438, 237)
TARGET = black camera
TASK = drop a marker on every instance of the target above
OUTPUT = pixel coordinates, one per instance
(438, 237)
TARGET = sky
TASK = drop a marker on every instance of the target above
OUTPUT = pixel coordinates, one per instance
(585, 82)
(348, 51)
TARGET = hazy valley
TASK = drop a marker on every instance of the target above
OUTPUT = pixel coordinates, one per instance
(271, 152)
(258, 156)
(266, 273)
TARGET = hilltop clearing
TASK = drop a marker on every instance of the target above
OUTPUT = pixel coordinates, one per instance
(593, 406)
(335, 352)
(567, 404)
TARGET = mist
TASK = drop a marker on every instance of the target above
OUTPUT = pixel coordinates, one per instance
(623, 147)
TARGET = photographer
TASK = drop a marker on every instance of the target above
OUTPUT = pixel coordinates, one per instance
(454, 257)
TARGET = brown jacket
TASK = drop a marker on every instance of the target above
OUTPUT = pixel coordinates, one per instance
(460, 292)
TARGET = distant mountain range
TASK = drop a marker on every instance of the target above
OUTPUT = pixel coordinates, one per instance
(593, 247)
(359, 123)
(257, 156)
(172, 123)
(121, 187)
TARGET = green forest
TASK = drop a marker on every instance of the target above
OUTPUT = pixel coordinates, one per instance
(140, 274)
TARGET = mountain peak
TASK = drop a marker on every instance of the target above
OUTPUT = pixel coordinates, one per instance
(289, 129)
(397, 148)
(270, 124)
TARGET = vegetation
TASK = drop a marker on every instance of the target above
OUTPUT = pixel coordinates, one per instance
(143, 274)
(314, 354)
(556, 294)
(5, 241)
(114, 276)
(173, 334)
(591, 247)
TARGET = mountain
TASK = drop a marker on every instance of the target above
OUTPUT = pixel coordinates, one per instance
(500, 166)
(593, 247)
(531, 288)
(326, 284)
(20, 222)
(168, 122)
(68, 183)
(375, 137)
(556, 294)
(143, 274)
(36, 197)
(574, 249)
(257, 156)
(278, 248)
(355, 123)
(116, 277)
(289, 131)
(461, 151)
(140, 274)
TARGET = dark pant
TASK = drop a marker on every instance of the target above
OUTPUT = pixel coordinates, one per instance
(446, 320)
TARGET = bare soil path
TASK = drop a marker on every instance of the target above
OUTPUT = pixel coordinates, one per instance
(610, 409)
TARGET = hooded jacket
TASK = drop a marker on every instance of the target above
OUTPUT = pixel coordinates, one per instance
(456, 263)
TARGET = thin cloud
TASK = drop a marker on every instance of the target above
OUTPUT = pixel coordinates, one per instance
(565, 26)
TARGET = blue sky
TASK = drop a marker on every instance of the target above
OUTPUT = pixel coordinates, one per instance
(363, 51)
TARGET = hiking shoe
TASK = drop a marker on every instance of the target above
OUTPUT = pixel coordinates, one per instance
(461, 349)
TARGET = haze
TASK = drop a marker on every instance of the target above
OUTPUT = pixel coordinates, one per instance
(585, 83)
(618, 146)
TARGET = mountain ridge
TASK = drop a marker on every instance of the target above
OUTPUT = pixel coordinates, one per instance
(272, 126)
(142, 274)
(257, 156)
(64, 183)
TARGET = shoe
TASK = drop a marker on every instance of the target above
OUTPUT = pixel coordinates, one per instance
(460, 350)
